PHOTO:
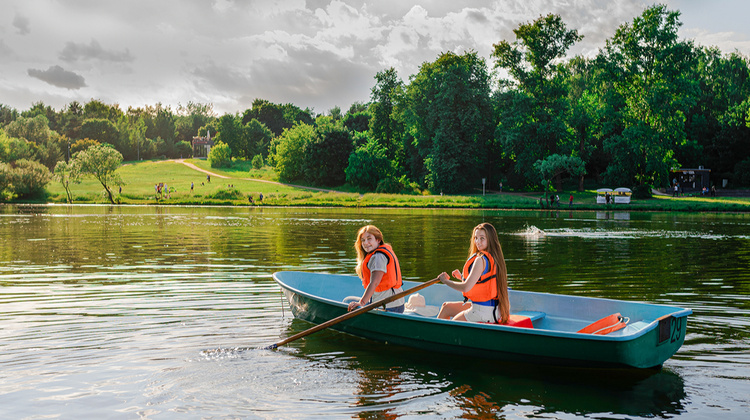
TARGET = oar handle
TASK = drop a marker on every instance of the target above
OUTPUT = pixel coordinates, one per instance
(353, 313)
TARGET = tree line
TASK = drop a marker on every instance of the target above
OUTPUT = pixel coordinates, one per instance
(646, 104)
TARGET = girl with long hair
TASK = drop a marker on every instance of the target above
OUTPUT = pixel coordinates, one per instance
(483, 282)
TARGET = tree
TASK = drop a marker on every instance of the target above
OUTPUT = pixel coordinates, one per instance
(651, 70)
(101, 130)
(327, 153)
(230, 133)
(289, 151)
(555, 165)
(451, 119)
(257, 138)
(367, 166)
(276, 117)
(220, 155)
(45, 142)
(67, 173)
(257, 162)
(533, 121)
(385, 126)
(13, 149)
(101, 162)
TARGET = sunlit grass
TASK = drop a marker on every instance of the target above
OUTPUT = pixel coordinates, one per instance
(242, 181)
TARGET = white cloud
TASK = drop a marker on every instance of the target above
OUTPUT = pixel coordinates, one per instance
(313, 53)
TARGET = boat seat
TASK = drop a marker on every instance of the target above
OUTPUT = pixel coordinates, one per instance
(533, 315)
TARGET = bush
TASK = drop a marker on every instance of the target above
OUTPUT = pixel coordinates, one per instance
(29, 178)
(368, 165)
(231, 194)
(220, 155)
(257, 162)
(391, 185)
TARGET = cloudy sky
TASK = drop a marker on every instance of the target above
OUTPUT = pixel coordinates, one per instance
(313, 53)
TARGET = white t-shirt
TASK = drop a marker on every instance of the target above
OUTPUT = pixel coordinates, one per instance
(379, 262)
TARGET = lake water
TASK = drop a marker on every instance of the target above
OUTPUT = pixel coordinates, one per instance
(161, 312)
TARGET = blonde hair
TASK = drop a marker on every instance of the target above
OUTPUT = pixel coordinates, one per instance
(372, 230)
(501, 271)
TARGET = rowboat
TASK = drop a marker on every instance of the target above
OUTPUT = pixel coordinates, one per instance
(649, 334)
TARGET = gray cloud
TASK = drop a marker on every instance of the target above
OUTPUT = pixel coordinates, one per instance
(58, 76)
(73, 52)
(22, 24)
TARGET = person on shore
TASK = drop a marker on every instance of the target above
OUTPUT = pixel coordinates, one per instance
(483, 282)
(570, 201)
(378, 268)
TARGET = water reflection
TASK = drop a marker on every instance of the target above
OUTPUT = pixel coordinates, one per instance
(394, 380)
(114, 310)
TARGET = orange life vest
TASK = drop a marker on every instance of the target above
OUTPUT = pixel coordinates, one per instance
(391, 278)
(486, 287)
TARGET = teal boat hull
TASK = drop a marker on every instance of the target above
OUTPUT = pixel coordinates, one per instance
(653, 334)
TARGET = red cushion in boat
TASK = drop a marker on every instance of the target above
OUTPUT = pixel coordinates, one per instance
(519, 321)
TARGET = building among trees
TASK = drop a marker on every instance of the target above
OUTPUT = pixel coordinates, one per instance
(202, 145)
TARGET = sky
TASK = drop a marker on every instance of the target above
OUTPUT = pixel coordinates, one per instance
(316, 54)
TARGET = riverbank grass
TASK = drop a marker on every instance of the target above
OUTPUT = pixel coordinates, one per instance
(242, 182)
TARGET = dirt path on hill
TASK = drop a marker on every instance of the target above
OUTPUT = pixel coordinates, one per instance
(192, 166)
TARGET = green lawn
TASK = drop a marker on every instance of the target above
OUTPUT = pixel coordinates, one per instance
(141, 177)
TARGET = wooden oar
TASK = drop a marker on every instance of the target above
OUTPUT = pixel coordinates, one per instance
(352, 314)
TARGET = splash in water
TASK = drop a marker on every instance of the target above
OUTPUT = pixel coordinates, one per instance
(533, 231)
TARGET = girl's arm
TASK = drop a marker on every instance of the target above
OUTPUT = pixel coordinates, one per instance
(375, 278)
(465, 284)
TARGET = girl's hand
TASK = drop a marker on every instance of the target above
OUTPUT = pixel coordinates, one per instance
(457, 274)
(443, 277)
(353, 305)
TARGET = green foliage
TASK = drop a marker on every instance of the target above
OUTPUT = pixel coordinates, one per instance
(183, 149)
(327, 153)
(101, 130)
(652, 71)
(67, 173)
(257, 139)
(385, 125)
(357, 122)
(393, 185)
(82, 144)
(555, 165)
(220, 155)
(368, 165)
(257, 162)
(289, 151)
(226, 194)
(276, 117)
(12, 149)
(101, 162)
(6, 181)
(29, 178)
(533, 117)
(451, 119)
